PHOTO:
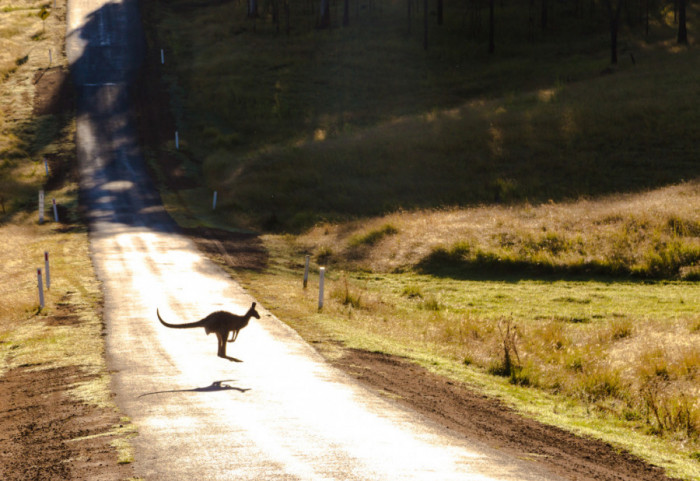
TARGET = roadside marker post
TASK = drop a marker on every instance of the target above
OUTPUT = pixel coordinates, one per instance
(322, 275)
(213, 203)
(41, 289)
(177, 141)
(41, 206)
(55, 210)
(46, 167)
(46, 270)
(50, 57)
(162, 57)
(306, 271)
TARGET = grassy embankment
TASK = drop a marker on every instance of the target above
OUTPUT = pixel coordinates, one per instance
(68, 331)
(523, 222)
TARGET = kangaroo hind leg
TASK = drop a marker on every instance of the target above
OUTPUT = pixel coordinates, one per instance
(221, 340)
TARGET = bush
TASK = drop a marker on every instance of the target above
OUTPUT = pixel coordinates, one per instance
(374, 236)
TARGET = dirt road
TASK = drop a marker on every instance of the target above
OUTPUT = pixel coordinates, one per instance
(281, 413)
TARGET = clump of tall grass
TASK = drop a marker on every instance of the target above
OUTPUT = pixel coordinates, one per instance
(373, 237)
(346, 295)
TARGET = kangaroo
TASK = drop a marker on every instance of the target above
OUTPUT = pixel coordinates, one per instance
(222, 323)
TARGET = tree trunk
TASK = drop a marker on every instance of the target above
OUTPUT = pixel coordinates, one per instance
(425, 24)
(252, 8)
(439, 12)
(492, 22)
(646, 21)
(614, 28)
(346, 13)
(286, 17)
(325, 20)
(544, 15)
(682, 27)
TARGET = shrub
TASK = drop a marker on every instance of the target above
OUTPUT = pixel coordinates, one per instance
(324, 254)
(601, 383)
(666, 259)
(430, 304)
(412, 292)
(346, 296)
(669, 411)
(683, 227)
(373, 236)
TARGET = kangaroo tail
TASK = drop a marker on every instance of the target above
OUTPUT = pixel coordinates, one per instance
(179, 326)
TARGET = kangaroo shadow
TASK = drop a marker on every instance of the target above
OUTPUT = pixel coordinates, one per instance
(213, 387)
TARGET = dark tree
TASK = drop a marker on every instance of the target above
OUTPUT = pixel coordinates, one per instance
(409, 3)
(286, 16)
(325, 20)
(492, 22)
(614, 14)
(544, 15)
(682, 27)
(346, 13)
(252, 8)
(425, 24)
(439, 12)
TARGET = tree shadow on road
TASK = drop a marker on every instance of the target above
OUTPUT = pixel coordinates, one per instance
(213, 387)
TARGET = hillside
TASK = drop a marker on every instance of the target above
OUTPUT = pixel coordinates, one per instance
(455, 197)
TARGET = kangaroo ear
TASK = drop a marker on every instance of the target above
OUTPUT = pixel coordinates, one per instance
(253, 306)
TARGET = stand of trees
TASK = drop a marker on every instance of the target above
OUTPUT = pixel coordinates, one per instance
(619, 14)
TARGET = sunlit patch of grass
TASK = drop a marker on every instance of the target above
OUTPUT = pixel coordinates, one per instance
(607, 236)
(124, 432)
(598, 363)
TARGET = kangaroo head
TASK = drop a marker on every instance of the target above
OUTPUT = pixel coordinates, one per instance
(253, 313)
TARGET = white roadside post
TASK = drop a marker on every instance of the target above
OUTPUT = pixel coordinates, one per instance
(162, 57)
(322, 275)
(177, 141)
(50, 57)
(41, 289)
(41, 206)
(46, 270)
(213, 203)
(55, 210)
(306, 271)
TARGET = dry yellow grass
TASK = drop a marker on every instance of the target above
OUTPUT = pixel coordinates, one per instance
(26, 337)
(25, 42)
(587, 230)
(625, 352)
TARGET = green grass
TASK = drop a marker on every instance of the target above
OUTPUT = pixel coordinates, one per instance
(623, 353)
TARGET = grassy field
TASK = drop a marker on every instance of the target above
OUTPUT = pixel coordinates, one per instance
(360, 121)
(68, 331)
(527, 222)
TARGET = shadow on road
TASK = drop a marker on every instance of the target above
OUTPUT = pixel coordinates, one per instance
(213, 387)
(105, 51)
